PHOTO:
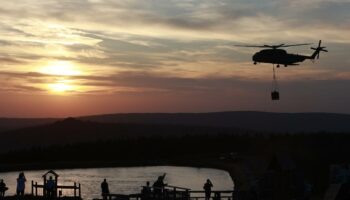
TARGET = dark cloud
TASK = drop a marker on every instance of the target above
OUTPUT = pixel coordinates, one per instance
(26, 88)
(9, 60)
(5, 43)
(22, 75)
(147, 52)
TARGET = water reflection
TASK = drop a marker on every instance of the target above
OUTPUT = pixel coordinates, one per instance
(127, 180)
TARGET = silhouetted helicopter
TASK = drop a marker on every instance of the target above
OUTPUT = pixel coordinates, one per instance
(274, 55)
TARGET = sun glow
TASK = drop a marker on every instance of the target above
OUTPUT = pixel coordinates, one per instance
(61, 73)
(60, 68)
(61, 87)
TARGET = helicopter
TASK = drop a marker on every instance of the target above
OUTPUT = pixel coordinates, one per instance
(274, 55)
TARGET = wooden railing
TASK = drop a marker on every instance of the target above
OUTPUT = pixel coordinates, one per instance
(168, 192)
(215, 194)
(174, 193)
(76, 187)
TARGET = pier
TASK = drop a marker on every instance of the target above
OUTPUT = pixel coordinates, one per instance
(57, 191)
(39, 190)
(173, 193)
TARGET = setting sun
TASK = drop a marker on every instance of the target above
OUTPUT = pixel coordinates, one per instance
(62, 73)
(60, 87)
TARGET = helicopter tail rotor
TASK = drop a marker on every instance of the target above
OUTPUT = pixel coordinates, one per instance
(316, 54)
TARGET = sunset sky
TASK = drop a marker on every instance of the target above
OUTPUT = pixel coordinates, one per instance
(63, 58)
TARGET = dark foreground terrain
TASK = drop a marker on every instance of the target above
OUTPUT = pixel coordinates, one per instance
(73, 143)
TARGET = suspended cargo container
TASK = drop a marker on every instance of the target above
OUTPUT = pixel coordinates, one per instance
(275, 95)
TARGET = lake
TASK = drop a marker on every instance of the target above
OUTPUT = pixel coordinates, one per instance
(126, 180)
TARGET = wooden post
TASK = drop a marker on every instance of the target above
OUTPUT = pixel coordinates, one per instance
(36, 188)
(79, 190)
(56, 183)
(44, 188)
(32, 187)
(75, 189)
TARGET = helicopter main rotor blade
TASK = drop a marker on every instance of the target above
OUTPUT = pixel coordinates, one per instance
(278, 46)
(273, 46)
(256, 46)
(294, 45)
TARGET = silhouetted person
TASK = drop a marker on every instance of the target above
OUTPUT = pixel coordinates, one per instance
(21, 184)
(3, 188)
(50, 187)
(105, 189)
(146, 191)
(158, 186)
(207, 189)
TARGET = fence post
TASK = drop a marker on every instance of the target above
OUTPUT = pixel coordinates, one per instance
(187, 194)
(79, 190)
(75, 189)
(32, 187)
(36, 188)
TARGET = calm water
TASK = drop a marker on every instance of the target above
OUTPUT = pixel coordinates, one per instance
(126, 180)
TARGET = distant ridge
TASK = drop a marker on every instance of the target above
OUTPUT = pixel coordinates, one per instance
(251, 120)
(7, 124)
(259, 121)
(44, 132)
(72, 131)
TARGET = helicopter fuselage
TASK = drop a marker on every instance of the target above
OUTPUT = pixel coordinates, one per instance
(278, 56)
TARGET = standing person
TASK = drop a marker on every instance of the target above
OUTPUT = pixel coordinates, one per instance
(207, 189)
(158, 186)
(105, 189)
(3, 188)
(146, 191)
(50, 187)
(21, 184)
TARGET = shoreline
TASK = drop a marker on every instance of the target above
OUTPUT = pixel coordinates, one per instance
(94, 164)
(194, 160)
(209, 163)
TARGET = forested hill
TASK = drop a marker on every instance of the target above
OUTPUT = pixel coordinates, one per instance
(7, 124)
(72, 130)
(259, 121)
